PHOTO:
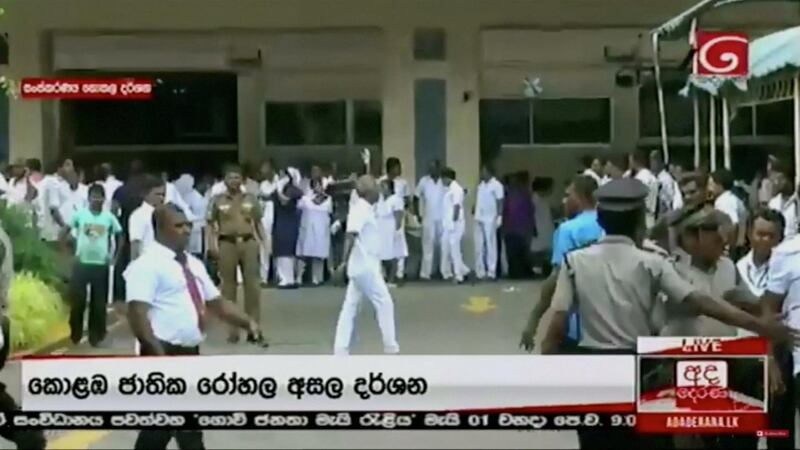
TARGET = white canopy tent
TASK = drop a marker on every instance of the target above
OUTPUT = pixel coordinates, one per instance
(774, 75)
(684, 26)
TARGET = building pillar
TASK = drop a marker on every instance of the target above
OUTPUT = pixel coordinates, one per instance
(27, 124)
(463, 121)
(398, 101)
(250, 100)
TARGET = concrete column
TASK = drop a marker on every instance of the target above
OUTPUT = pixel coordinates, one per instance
(250, 100)
(398, 100)
(463, 134)
(26, 117)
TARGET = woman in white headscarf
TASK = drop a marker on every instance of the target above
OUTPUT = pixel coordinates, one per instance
(197, 204)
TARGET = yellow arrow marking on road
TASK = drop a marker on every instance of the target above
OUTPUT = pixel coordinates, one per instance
(479, 305)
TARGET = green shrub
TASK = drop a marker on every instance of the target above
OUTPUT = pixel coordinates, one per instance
(31, 254)
(37, 313)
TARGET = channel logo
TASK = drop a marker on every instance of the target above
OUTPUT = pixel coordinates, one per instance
(701, 385)
(722, 54)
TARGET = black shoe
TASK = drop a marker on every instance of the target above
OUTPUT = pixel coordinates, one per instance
(100, 343)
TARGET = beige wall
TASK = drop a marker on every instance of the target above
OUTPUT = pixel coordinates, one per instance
(322, 49)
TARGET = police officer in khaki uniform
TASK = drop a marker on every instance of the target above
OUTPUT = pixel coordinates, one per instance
(613, 282)
(235, 238)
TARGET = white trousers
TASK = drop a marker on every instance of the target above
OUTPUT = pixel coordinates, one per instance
(452, 259)
(284, 265)
(431, 240)
(370, 285)
(486, 249)
(317, 270)
(401, 268)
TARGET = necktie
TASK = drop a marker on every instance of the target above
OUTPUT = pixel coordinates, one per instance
(194, 291)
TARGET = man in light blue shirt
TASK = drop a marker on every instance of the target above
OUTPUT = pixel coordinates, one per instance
(579, 231)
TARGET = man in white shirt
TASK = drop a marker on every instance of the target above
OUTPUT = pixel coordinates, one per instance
(110, 183)
(140, 224)
(53, 192)
(76, 197)
(592, 167)
(431, 191)
(766, 232)
(169, 294)
(669, 193)
(720, 184)
(782, 297)
(172, 195)
(488, 218)
(401, 189)
(639, 162)
(785, 200)
(453, 225)
(363, 266)
(21, 191)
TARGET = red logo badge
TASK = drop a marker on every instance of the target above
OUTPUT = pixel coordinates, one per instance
(721, 54)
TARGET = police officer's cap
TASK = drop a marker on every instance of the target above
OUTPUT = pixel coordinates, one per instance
(706, 219)
(625, 194)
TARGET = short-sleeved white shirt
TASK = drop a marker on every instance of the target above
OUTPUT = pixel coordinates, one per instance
(220, 188)
(787, 207)
(754, 277)
(729, 204)
(651, 201)
(140, 225)
(366, 254)
(110, 185)
(489, 193)
(454, 196)
(157, 279)
(76, 200)
(783, 278)
(432, 194)
(401, 186)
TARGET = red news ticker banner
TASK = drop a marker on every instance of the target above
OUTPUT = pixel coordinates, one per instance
(86, 89)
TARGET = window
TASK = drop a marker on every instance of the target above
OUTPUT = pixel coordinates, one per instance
(185, 109)
(429, 44)
(367, 122)
(775, 119)
(578, 121)
(545, 121)
(319, 123)
(679, 109)
(506, 121)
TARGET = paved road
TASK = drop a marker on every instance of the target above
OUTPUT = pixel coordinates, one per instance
(430, 320)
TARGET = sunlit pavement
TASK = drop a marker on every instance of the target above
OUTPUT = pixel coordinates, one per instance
(433, 318)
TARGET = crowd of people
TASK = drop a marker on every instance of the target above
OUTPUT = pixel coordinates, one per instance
(656, 250)
(644, 248)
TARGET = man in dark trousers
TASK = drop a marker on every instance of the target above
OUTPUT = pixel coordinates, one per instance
(169, 293)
